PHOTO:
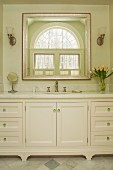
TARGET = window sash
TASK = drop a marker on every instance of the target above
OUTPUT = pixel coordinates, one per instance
(50, 70)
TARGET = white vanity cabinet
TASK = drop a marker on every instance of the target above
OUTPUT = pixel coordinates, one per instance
(56, 124)
(11, 124)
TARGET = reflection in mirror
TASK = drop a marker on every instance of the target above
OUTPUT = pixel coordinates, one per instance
(56, 46)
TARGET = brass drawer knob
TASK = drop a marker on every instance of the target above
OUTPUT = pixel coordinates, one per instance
(54, 110)
(58, 110)
(4, 139)
(108, 138)
(108, 124)
(108, 109)
(4, 124)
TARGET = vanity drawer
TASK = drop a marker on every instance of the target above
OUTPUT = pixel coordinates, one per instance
(10, 138)
(101, 123)
(10, 124)
(102, 109)
(102, 138)
(10, 109)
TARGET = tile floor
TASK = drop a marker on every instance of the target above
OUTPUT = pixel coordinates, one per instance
(57, 163)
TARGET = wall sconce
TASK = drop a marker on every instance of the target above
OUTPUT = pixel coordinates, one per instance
(10, 32)
(100, 39)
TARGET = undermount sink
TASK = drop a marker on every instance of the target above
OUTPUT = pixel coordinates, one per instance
(58, 93)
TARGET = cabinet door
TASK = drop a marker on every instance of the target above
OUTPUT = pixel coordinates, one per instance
(41, 124)
(72, 124)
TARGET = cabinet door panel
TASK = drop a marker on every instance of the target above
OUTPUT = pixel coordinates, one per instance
(41, 124)
(72, 124)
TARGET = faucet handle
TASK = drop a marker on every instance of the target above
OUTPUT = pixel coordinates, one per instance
(48, 89)
(56, 82)
(64, 89)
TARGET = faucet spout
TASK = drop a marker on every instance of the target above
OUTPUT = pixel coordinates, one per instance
(56, 86)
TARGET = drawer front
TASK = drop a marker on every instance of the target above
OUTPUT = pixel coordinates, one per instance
(10, 124)
(101, 123)
(102, 138)
(102, 109)
(10, 138)
(10, 109)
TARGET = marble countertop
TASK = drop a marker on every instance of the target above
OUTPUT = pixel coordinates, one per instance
(55, 95)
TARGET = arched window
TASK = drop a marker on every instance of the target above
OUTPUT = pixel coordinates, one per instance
(57, 51)
(56, 38)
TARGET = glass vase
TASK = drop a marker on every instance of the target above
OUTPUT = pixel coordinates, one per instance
(102, 85)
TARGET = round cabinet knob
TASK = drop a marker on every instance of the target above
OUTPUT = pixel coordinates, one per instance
(4, 124)
(108, 109)
(58, 110)
(108, 124)
(54, 110)
(4, 110)
(4, 139)
(108, 138)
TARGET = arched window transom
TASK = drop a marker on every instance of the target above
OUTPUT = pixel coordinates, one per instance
(56, 38)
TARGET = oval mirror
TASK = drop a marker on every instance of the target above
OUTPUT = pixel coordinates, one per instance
(12, 77)
(56, 46)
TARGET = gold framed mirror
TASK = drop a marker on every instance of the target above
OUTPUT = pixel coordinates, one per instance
(56, 46)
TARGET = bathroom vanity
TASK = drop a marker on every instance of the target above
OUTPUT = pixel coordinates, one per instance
(56, 124)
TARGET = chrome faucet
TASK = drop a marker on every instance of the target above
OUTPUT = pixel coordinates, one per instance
(56, 86)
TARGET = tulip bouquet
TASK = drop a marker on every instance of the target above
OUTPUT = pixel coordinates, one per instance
(102, 73)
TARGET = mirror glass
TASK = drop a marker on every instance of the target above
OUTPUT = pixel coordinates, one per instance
(56, 46)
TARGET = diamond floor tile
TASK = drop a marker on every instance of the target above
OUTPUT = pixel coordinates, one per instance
(52, 164)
